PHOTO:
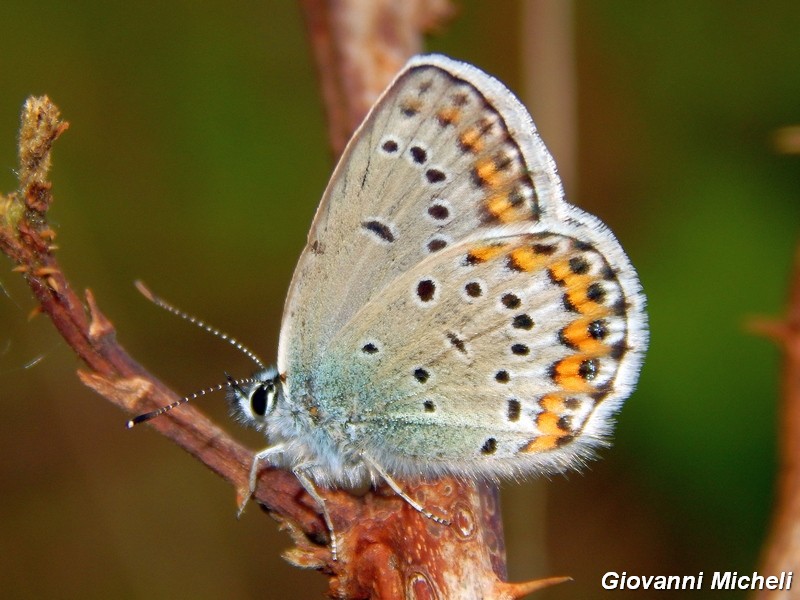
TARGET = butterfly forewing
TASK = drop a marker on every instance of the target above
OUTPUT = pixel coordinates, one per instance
(433, 161)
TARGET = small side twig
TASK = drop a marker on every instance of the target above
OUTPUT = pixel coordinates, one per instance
(782, 550)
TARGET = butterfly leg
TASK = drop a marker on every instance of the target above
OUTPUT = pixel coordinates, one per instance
(258, 462)
(308, 485)
(399, 491)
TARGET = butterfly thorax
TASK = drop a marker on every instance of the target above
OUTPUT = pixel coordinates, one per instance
(323, 445)
(312, 436)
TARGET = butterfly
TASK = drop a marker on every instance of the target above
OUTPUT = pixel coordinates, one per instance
(451, 314)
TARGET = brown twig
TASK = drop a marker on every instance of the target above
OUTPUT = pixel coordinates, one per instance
(358, 46)
(387, 550)
(782, 550)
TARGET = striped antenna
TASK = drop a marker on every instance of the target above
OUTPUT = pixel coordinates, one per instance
(195, 321)
(160, 411)
(213, 331)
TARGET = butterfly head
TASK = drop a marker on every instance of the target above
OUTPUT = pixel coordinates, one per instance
(253, 400)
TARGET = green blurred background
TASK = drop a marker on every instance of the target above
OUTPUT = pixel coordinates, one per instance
(196, 156)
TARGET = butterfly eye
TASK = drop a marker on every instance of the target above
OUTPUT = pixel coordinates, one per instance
(261, 399)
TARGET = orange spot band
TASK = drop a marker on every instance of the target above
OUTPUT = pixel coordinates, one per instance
(541, 444)
(471, 140)
(552, 403)
(499, 206)
(577, 335)
(487, 172)
(547, 422)
(484, 253)
(449, 115)
(567, 374)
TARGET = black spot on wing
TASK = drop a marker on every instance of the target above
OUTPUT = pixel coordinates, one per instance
(426, 290)
(457, 342)
(489, 446)
(381, 230)
(514, 409)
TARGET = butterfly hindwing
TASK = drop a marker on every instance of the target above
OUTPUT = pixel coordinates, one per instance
(492, 357)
